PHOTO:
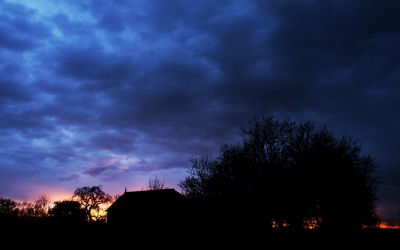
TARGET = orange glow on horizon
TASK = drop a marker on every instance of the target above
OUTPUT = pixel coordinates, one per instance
(59, 195)
(53, 195)
(389, 225)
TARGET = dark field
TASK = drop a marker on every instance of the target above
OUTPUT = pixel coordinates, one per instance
(103, 236)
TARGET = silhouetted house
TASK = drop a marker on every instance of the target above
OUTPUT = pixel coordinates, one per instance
(167, 211)
(154, 211)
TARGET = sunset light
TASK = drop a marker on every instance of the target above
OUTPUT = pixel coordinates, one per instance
(389, 225)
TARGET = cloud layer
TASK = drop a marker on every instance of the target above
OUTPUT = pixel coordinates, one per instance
(115, 93)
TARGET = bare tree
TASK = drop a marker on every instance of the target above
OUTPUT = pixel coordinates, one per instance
(26, 210)
(41, 205)
(93, 199)
(155, 184)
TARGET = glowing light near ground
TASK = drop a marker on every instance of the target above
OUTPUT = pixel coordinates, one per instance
(310, 223)
(389, 225)
(307, 223)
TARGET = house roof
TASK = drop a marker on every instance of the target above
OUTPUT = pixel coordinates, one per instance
(146, 198)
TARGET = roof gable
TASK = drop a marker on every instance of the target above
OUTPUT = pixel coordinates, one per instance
(147, 198)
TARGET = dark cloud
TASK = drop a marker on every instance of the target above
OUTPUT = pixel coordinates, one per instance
(113, 20)
(9, 39)
(13, 93)
(119, 91)
(96, 171)
(106, 173)
(17, 30)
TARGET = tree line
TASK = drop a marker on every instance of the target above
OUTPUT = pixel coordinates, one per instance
(87, 204)
(297, 174)
(23, 211)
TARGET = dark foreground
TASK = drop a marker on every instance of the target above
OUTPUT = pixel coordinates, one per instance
(101, 235)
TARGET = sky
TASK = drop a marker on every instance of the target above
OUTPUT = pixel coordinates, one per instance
(113, 93)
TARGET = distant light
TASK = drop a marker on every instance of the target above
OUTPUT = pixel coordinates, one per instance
(389, 225)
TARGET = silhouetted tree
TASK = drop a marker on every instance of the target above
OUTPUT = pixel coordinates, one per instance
(68, 211)
(26, 211)
(155, 184)
(93, 199)
(297, 172)
(8, 209)
(41, 205)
